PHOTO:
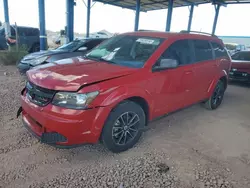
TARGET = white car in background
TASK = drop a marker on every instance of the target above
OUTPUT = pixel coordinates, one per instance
(100, 35)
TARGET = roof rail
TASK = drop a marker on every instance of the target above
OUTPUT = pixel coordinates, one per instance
(198, 32)
(145, 30)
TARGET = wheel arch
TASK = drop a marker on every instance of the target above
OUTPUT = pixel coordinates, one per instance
(223, 76)
(134, 94)
(224, 79)
(143, 103)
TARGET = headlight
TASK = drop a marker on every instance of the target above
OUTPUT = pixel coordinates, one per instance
(74, 100)
(38, 60)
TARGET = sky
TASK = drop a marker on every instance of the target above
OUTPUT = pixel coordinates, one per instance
(232, 19)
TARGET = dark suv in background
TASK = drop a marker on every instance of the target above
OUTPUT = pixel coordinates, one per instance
(28, 37)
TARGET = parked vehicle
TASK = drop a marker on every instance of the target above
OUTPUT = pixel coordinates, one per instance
(28, 38)
(72, 49)
(100, 34)
(234, 47)
(240, 70)
(113, 92)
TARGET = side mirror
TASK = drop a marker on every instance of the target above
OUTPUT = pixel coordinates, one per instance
(82, 49)
(166, 64)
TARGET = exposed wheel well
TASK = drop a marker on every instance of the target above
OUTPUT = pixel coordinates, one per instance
(224, 80)
(143, 103)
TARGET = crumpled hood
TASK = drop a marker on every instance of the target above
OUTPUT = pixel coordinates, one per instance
(71, 74)
(41, 54)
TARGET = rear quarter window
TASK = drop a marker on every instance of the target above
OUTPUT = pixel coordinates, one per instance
(203, 50)
(219, 50)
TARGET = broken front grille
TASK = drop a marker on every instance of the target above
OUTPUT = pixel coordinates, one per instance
(38, 95)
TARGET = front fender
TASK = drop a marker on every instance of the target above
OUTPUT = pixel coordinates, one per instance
(114, 96)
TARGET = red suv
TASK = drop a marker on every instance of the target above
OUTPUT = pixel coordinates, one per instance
(116, 89)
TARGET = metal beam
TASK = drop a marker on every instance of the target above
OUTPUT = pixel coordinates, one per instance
(43, 36)
(190, 17)
(137, 14)
(219, 2)
(145, 9)
(169, 18)
(6, 11)
(88, 17)
(232, 3)
(114, 4)
(217, 10)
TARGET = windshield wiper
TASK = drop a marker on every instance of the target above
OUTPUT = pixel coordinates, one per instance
(91, 58)
(99, 59)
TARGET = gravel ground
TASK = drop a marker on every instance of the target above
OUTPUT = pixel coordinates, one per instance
(193, 148)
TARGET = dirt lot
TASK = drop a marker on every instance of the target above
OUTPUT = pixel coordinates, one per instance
(191, 148)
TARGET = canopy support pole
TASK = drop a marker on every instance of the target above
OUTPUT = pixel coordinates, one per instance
(43, 36)
(137, 14)
(70, 19)
(6, 11)
(190, 17)
(217, 10)
(169, 17)
(88, 17)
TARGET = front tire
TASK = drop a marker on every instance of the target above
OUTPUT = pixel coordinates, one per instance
(217, 97)
(124, 127)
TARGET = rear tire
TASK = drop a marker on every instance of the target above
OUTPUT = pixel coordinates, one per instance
(124, 127)
(217, 97)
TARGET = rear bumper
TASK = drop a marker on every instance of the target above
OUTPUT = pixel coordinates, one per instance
(63, 127)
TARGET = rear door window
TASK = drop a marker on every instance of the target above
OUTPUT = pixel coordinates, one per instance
(219, 50)
(203, 50)
(180, 51)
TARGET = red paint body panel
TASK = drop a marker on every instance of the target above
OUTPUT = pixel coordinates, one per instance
(78, 126)
(74, 73)
(164, 91)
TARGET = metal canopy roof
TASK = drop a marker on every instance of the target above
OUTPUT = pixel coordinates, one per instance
(148, 5)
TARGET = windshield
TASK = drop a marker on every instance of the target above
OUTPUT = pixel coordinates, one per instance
(125, 50)
(72, 45)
